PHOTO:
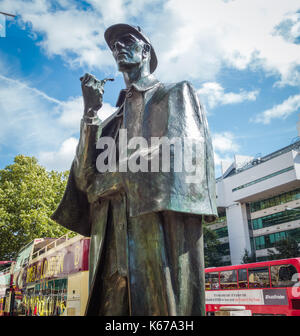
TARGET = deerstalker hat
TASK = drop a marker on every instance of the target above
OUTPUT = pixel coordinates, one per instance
(114, 31)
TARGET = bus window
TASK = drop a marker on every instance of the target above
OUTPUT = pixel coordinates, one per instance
(228, 279)
(243, 281)
(211, 281)
(281, 275)
(259, 277)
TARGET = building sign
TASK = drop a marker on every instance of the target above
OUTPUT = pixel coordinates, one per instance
(66, 260)
(247, 297)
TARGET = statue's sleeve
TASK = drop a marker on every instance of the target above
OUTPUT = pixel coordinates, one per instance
(73, 211)
(84, 165)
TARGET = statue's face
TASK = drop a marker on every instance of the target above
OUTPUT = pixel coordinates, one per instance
(129, 51)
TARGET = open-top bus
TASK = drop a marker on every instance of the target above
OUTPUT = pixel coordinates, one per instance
(48, 278)
(264, 288)
(5, 286)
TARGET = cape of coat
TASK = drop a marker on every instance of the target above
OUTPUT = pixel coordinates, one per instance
(117, 208)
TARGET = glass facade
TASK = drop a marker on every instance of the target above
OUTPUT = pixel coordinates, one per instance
(276, 200)
(275, 219)
(268, 241)
(223, 249)
(222, 232)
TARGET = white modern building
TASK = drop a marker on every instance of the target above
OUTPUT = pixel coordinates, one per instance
(261, 199)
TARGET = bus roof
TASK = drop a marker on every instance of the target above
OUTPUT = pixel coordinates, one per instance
(4, 262)
(294, 261)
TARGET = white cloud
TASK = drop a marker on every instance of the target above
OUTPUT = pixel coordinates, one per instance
(222, 160)
(289, 28)
(71, 32)
(280, 111)
(32, 123)
(75, 33)
(199, 37)
(59, 160)
(224, 142)
(105, 111)
(26, 113)
(70, 112)
(225, 146)
(23, 86)
(193, 39)
(213, 94)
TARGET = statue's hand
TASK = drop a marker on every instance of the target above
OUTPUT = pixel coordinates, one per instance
(92, 92)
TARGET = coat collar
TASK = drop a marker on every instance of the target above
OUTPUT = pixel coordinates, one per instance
(143, 84)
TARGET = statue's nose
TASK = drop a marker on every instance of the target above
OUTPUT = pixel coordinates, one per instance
(118, 45)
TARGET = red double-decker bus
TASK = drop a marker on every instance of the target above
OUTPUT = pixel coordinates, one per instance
(264, 288)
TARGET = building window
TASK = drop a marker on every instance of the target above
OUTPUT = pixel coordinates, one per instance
(222, 232)
(275, 219)
(243, 279)
(223, 249)
(228, 279)
(212, 281)
(295, 234)
(259, 277)
(260, 243)
(263, 178)
(282, 275)
(268, 241)
(277, 200)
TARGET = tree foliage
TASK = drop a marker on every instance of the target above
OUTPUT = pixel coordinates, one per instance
(284, 249)
(29, 194)
(248, 257)
(212, 255)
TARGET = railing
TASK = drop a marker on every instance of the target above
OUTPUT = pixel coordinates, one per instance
(53, 244)
(294, 146)
(5, 270)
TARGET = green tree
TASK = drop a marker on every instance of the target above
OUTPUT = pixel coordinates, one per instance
(212, 255)
(284, 249)
(248, 258)
(28, 196)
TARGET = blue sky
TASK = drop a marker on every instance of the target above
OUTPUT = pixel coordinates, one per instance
(242, 57)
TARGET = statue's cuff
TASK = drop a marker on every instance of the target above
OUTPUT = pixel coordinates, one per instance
(91, 120)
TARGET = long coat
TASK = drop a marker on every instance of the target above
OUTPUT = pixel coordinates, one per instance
(147, 109)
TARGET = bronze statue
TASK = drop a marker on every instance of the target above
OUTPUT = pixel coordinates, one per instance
(146, 250)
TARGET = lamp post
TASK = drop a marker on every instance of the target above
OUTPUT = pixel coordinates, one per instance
(7, 14)
(3, 16)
